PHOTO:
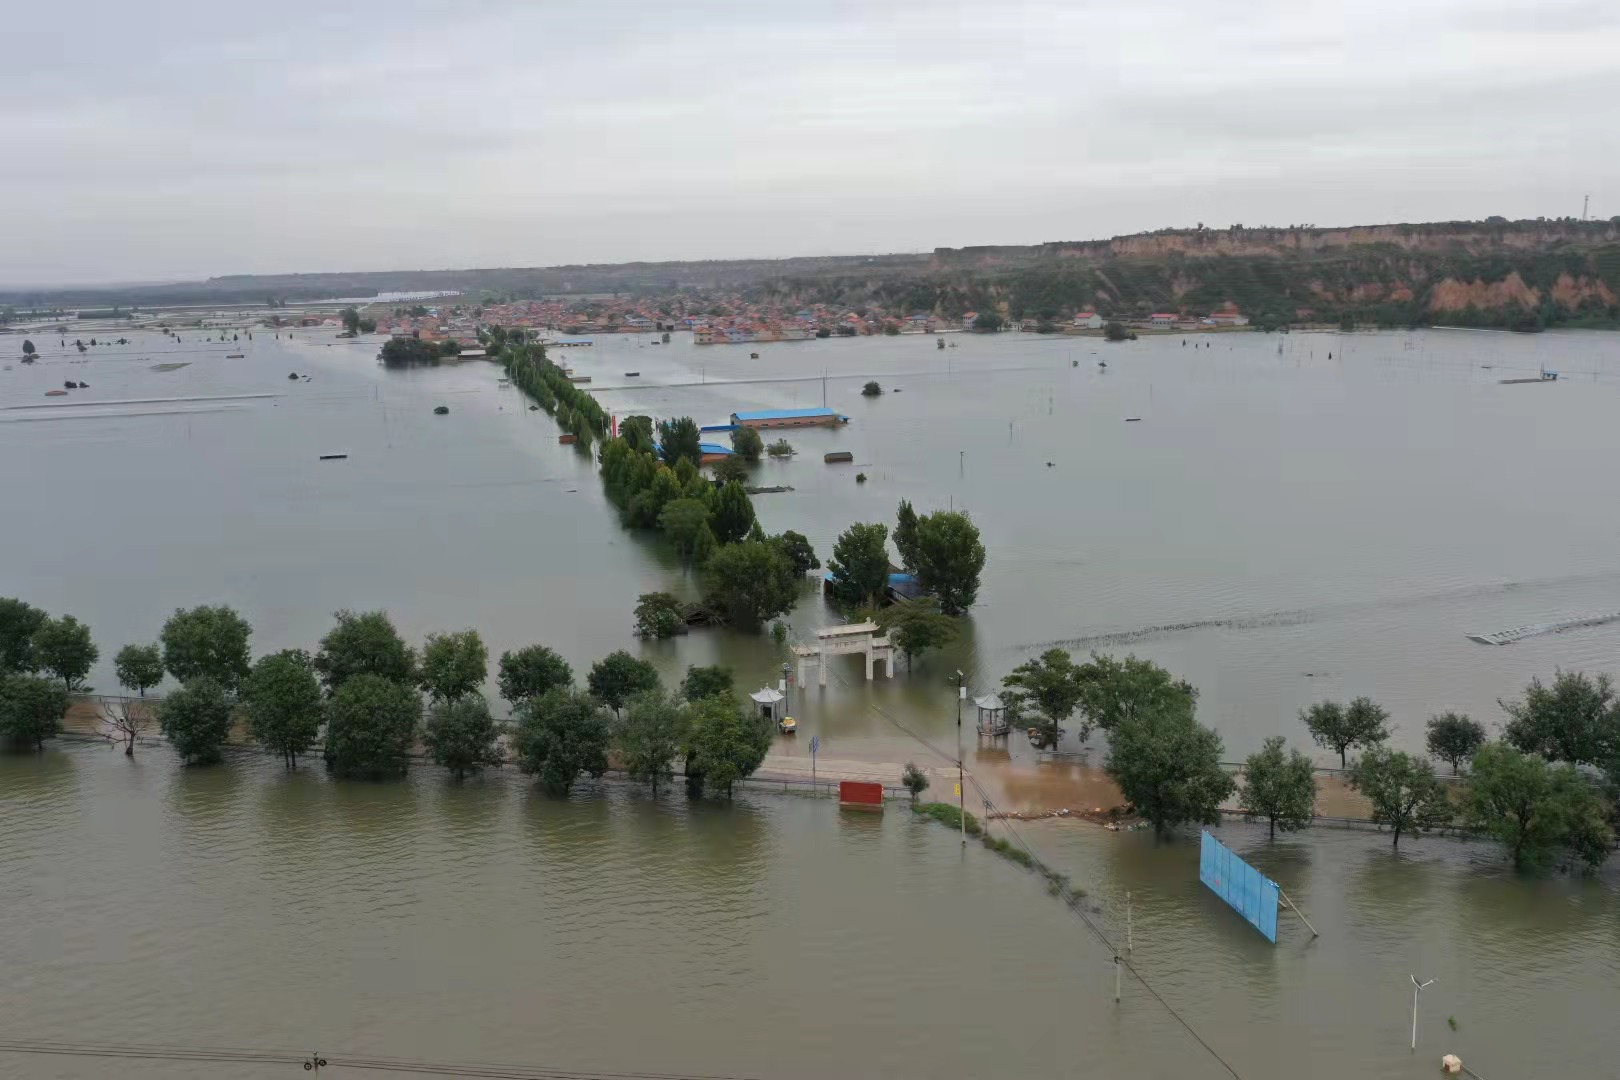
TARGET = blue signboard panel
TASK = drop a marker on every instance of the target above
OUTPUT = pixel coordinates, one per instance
(1249, 892)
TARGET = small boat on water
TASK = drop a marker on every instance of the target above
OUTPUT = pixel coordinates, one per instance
(632, 374)
(234, 355)
(56, 393)
(441, 410)
(334, 457)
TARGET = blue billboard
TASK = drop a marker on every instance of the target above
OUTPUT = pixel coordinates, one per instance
(1249, 892)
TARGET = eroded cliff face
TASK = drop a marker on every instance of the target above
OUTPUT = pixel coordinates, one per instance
(1464, 237)
(1522, 274)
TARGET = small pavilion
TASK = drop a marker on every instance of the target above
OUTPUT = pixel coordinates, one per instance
(768, 701)
(992, 715)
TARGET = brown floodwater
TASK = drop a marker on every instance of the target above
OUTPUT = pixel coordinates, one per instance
(1281, 526)
(241, 906)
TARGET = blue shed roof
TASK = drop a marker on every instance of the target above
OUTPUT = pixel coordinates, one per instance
(714, 448)
(782, 414)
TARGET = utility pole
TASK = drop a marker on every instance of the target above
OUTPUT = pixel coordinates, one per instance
(1116, 978)
(1130, 944)
(961, 795)
(1417, 988)
(1586, 204)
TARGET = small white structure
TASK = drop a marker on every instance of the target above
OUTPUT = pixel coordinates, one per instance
(1451, 1063)
(1088, 320)
(992, 715)
(769, 703)
(841, 641)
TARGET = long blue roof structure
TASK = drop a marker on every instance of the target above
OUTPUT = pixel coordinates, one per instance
(784, 414)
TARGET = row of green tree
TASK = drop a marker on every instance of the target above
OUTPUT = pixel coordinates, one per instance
(747, 577)
(364, 688)
(575, 410)
(1536, 790)
(43, 659)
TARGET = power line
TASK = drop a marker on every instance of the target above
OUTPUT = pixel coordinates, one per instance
(1072, 901)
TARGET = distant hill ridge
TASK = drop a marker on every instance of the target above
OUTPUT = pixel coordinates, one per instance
(1517, 274)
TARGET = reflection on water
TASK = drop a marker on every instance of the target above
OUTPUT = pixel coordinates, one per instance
(780, 936)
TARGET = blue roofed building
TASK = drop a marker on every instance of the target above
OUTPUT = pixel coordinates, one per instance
(783, 418)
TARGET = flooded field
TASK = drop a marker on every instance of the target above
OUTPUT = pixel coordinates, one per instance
(484, 922)
(1279, 527)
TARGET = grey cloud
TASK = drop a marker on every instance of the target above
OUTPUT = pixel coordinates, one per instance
(178, 139)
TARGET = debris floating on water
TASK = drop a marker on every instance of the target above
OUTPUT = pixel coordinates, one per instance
(333, 457)
(1519, 633)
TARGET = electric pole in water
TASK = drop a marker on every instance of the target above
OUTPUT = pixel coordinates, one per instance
(961, 796)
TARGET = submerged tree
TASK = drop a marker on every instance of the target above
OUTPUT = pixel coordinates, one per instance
(18, 621)
(1534, 808)
(364, 643)
(859, 566)
(658, 615)
(915, 781)
(64, 648)
(1403, 791)
(1046, 689)
(139, 667)
(679, 438)
(1338, 727)
(196, 719)
(949, 557)
(747, 444)
(207, 642)
(284, 707)
(750, 583)
(1114, 691)
(1454, 738)
(1278, 789)
(371, 726)
(1169, 767)
(686, 523)
(454, 665)
(618, 677)
(731, 469)
(124, 721)
(724, 744)
(795, 546)
(532, 671)
(31, 710)
(649, 736)
(905, 535)
(1576, 719)
(560, 736)
(461, 735)
(917, 626)
(733, 513)
(702, 682)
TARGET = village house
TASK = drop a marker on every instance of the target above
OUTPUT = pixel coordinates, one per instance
(1162, 321)
(1088, 320)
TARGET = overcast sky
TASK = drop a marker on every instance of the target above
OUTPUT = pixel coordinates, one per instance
(183, 139)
